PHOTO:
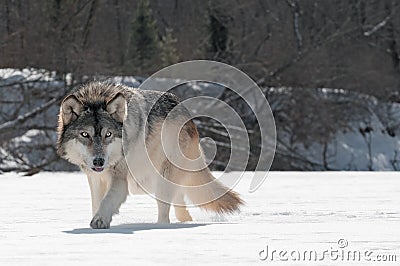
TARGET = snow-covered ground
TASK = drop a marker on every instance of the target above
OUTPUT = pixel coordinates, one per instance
(45, 219)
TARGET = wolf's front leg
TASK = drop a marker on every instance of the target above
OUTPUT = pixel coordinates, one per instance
(110, 204)
(98, 189)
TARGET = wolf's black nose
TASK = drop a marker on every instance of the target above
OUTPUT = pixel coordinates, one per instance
(98, 162)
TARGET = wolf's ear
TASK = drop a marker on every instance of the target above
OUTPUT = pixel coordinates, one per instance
(71, 108)
(116, 107)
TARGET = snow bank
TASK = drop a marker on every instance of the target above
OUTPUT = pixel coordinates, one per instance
(364, 131)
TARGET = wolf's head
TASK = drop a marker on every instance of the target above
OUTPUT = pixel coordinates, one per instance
(90, 126)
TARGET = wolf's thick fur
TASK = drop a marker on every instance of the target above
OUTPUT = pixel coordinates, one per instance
(90, 132)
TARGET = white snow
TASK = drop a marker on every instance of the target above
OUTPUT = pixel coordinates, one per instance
(45, 219)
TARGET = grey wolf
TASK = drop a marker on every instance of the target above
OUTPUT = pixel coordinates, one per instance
(95, 118)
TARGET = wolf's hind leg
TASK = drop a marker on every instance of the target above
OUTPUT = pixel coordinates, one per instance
(163, 212)
(164, 200)
(115, 196)
(181, 213)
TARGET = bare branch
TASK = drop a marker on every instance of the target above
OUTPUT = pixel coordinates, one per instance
(7, 130)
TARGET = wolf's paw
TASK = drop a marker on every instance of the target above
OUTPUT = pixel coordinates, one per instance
(182, 214)
(99, 222)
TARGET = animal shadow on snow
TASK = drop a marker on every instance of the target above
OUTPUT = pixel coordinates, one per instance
(131, 228)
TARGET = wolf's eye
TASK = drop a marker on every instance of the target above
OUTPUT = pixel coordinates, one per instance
(84, 134)
(108, 134)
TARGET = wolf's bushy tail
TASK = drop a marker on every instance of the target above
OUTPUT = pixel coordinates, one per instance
(210, 194)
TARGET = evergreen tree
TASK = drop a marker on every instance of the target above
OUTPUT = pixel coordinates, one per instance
(219, 46)
(144, 46)
(169, 54)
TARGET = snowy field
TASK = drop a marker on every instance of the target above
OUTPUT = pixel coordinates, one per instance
(45, 219)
